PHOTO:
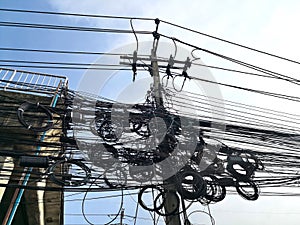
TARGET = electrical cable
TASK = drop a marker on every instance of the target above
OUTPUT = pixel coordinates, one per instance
(59, 63)
(135, 35)
(230, 42)
(84, 199)
(25, 107)
(142, 203)
(292, 80)
(69, 28)
(121, 68)
(69, 179)
(175, 204)
(60, 51)
(73, 14)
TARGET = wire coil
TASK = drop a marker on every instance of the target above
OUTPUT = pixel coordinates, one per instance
(37, 107)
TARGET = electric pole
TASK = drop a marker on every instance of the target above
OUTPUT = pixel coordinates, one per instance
(170, 190)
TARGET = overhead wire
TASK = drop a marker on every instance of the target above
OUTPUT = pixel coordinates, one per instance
(271, 147)
(272, 73)
(72, 14)
(230, 42)
(70, 28)
(122, 68)
(60, 51)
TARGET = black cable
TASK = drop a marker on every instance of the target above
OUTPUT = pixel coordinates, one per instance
(113, 219)
(58, 63)
(36, 106)
(69, 179)
(246, 194)
(230, 42)
(84, 199)
(284, 160)
(59, 51)
(136, 38)
(74, 14)
(212, 106)
(175, 204)
(69, 28)
(287, 97)
(239, 71)
(66, 67)
(290, 79)
(141, 18)
(142, 203)
(246, 106)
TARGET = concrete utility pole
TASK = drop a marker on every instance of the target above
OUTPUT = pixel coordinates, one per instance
(170, 192)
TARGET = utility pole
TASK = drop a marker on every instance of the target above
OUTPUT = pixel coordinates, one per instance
(170, 190)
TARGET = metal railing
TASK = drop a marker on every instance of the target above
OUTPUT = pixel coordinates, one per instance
(31, 82)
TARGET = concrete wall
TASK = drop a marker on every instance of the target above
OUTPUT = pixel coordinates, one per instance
(37, 207)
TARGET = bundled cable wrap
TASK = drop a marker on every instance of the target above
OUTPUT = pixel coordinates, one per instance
(58, 176)
(160, 205)
(190, 184)
(247, 167)
(215, 191)
(242, 189)
(109, 131)
(34, 161)
(142, 203)
(38, 107)
(140, 121)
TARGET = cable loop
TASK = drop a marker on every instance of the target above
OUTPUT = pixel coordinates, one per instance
(27, 106)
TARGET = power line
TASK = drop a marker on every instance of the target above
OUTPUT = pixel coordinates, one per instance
(109, 65)
(69, 28)
(272, 73)
(59, 51)
(230, 42)
(64, 67)
(144, 18)
(287, 97)
(238, 71)
(58, 63)
(74, 14)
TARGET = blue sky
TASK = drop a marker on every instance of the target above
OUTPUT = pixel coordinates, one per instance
(269, 25)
